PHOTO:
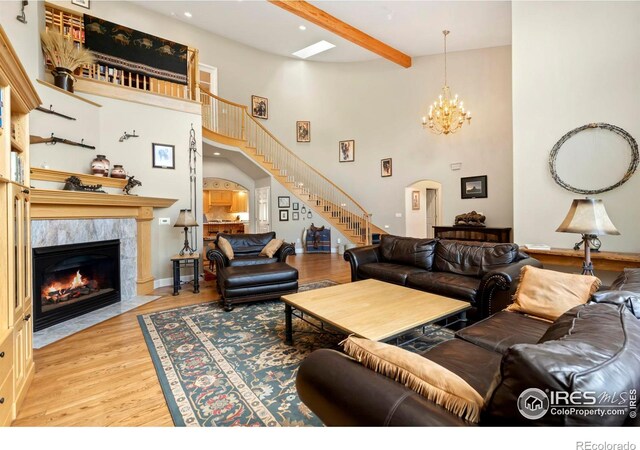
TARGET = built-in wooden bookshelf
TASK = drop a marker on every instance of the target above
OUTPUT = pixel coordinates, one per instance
(70, 23)
(17, 98)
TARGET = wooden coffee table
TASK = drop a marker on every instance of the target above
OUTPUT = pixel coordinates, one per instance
(372, 309)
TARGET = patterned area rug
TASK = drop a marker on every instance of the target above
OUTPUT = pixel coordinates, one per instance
(233, 368)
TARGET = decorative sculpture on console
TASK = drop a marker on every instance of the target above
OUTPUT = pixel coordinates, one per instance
(470, 219)
(74, 183)
(131, 183)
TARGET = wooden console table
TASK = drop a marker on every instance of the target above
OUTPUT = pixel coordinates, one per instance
(482, 234)
(612, 261)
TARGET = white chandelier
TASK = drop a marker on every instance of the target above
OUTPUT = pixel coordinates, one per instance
(447, 114)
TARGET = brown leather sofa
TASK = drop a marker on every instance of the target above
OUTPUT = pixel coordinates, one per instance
(248, 276)
(481, 273)
(591, 348)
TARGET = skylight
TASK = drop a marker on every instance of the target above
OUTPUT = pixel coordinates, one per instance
(314, 49)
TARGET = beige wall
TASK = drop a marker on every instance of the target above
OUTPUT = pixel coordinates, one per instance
(376, 103)
(573, 63)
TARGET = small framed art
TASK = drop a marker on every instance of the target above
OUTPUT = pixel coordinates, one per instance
(386, 167)
(295, 215)
(259, 107)
(473, 187)
(284, 202)
(415, 200)
(284, 215)
(84, 3)
(347, 151)
(163, 156)
(303, 131)
(295, 206)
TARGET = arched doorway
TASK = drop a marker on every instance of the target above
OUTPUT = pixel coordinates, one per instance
(423, 208)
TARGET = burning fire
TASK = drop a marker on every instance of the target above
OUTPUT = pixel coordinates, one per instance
(63, 290)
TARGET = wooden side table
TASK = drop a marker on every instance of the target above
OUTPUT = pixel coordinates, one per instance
(611, 261)
(180, 262)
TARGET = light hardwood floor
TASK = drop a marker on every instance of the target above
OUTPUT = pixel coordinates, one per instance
(103, 376)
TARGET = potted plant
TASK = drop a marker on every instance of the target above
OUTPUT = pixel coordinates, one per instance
(65, 57)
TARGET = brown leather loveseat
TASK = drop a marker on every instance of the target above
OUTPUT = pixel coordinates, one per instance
(591, 350)
(481, 273)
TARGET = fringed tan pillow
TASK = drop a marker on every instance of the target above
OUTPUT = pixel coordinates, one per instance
(225, 247)
(549, 294)
(271, 248)
(427, 378)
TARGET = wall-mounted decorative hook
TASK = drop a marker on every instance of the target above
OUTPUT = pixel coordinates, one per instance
(126, 136)
(22, 17)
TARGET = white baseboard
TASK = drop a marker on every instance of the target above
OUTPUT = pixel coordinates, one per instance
(162, 282)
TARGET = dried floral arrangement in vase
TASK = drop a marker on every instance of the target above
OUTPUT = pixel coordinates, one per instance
(65, 57)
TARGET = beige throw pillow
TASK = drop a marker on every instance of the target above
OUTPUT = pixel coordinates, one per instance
(549, 294)
(427, 378)
(225, 247)
(271, 248)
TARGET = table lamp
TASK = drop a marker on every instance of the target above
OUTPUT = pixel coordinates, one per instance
(589, 218)
(186, 220)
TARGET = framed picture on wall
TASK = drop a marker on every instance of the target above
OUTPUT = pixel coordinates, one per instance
(415, 200)
(163, 156)
(473, 187)
(347, 151)
(296, 206)
(303, 131)
(385, 167)
(284, 215)
(83, 3)
(284, 201)
(295, 215)
(259, 107)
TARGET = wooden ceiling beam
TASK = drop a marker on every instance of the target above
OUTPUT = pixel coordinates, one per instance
(325, 20)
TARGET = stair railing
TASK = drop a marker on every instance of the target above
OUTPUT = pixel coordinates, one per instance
(233, 120)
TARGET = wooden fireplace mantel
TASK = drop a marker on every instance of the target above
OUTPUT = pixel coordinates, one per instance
(56, 204)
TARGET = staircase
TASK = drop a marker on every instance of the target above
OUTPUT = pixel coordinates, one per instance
(231, 124)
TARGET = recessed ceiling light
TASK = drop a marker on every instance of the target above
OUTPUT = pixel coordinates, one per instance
(302, 27)
(314, 49)
(188, 14)
(216, 153)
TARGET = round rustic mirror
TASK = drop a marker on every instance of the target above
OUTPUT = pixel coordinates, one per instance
(595, 158)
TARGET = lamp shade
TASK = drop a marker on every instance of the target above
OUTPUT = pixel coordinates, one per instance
(185, 219)
(587, 216)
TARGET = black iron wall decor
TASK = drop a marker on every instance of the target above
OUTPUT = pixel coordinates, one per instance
(123, 48)
(633, 164)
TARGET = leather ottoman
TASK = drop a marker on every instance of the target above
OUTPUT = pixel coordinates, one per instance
(240, 284)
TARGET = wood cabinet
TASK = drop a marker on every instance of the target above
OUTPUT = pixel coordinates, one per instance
(220, 198)
(239, 202)
(482, 234)
(18, 98)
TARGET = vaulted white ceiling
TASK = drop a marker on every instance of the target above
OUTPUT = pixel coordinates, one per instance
(413, 27)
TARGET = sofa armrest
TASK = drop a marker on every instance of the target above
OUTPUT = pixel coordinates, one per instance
(285, 250)
(361, 255)
(342, 392)
(499, 285)
(218, 258)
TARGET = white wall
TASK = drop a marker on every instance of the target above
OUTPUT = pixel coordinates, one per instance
(377, 103)
(573, 63)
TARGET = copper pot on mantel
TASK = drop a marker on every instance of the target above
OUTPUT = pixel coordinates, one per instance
(100, 166)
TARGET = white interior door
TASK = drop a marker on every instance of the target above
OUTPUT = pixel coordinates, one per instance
(432, 211)
(263, 202)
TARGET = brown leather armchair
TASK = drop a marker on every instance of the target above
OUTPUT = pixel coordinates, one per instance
(481, 273)
(251, 277)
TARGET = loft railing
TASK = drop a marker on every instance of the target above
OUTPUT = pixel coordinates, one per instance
(233, 120)
(71, 24)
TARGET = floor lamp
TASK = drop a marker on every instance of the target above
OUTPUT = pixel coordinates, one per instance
(589, 218)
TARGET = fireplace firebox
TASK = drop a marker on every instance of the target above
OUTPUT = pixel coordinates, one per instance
(71, 280)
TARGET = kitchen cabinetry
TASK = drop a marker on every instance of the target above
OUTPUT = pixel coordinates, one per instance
(220, 198)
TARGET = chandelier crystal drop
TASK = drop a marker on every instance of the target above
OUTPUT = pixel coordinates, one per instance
(447, 114)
